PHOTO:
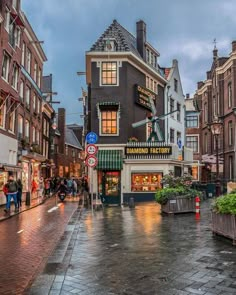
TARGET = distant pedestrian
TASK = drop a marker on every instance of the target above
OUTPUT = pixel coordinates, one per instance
(12, 189)
(41, 187)
(34, 186)
(19, 193)
(74, 188)
(47, 187)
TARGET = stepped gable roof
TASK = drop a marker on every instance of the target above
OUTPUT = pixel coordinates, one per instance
(71, 139)
(125, 41)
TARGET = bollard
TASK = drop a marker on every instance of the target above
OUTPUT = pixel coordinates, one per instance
(131, 203)
(197, 206)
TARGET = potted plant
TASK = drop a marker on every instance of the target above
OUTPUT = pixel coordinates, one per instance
(177, 196)
(224, 216)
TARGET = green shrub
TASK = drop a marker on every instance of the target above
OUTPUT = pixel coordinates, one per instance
(226, 204)
(165, 194)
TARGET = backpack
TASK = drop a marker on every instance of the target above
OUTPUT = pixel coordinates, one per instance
(12, 187)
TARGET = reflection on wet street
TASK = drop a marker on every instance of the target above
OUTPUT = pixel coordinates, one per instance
(139, 251)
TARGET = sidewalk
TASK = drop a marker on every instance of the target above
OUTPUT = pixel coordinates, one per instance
(34, 202)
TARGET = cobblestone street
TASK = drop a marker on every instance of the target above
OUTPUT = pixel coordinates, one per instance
(139, 251)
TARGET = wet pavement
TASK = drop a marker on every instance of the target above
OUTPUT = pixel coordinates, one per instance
(27, 239)
(139, 251)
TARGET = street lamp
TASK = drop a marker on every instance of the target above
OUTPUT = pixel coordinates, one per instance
(216, 127)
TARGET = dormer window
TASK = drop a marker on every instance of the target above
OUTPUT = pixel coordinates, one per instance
(110, 44)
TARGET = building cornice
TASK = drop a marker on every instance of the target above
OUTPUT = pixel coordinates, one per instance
(122, 56)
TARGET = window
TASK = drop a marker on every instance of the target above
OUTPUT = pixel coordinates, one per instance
(21, 90)
(20, 126)
(230, 130)
(109, 73)
(23, 54)
(27, 97)
(15, 76)
(176, 85)
(172, 105)
(39, 78)
(109, 122)
(229, 95)
(12, 120)
(34, 102)
(192, 143)
(28, 61)
(33, 135)
(146, 181)
(35, 71)
(205, 143)
(5, 66)
(178, 137)
(27, 129)
(2, 112)
(148, 54)
(44, 127)
(178, 111)
(172, 135)
(7, 19)
(14, 4)
(205, 113)
(214, 106)
(66, 150)
(147, 81)
(12, 33)
(38, 107)
(37, 136)
(73, 153)
(192, 121)
(18, 34)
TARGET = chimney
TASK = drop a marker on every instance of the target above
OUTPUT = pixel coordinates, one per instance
(62, 129)
(141, 38)
(233, 46)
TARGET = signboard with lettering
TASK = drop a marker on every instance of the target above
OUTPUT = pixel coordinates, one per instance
(142, 95)
(147, 150)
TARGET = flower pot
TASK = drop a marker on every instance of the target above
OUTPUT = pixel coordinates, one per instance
(224, 225)
(179, 205)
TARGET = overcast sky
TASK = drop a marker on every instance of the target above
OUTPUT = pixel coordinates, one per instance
(178, 29)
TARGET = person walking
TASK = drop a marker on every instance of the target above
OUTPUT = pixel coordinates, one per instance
(41, 187)
(74, 188)
(12, 188)
(19, 193)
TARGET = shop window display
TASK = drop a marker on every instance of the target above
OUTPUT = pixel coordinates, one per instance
(146, 182)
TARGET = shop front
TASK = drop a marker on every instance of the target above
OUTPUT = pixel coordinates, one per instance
(110, 164)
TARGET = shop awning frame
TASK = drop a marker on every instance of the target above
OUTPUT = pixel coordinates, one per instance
(110, 160)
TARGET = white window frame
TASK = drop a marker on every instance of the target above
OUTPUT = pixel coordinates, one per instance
(28, 60)
(20, 125)
(3, 111)
(27, 128)
(21, 90)
(23, 54)
(12, 119)
(27, 96)
(7, 19)
(33, 134)
(7, 66)
(35, 71)
(15, 76)
(118, 64)
(14, 4)
(117, 123)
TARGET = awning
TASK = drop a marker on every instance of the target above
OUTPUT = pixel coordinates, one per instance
(17, 20)
(109, 160)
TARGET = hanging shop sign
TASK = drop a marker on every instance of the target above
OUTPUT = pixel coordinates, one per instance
(142, 96)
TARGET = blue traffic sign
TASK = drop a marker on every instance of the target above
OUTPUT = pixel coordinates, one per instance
(91, 137)
(179, 142)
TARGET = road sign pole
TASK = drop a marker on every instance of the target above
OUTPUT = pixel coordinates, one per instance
(91, 186)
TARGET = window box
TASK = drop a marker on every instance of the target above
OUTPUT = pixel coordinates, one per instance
(224, 225)
(224, 216)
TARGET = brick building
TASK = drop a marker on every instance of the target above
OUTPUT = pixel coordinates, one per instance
(217, 99)
(124, 78)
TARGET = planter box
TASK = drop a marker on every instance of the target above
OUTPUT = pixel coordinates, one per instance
(224, 225)
(179, 205)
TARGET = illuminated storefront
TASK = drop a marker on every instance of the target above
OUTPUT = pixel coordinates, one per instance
(134, 170)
